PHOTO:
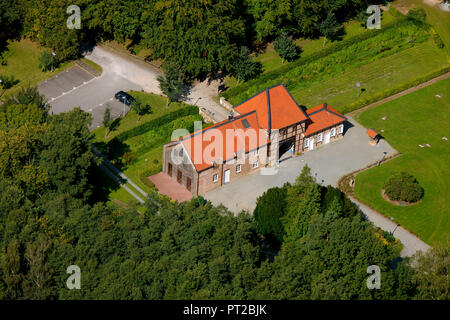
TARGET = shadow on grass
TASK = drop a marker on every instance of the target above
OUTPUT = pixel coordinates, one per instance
(102, 185)
(115, 124)
(114, 151)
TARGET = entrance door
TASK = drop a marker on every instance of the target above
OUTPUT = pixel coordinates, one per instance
(227, 176)
(169, 171)
(188, 184)
(311, 144)
(327, 137)
(179, 176)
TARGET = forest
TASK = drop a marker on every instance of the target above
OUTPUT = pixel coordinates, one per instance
(304, 241)
(202, 38)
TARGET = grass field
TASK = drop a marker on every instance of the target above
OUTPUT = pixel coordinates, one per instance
(158, 109)
(270, 60)
(393, 65)
(439, 19)
(374, 77)
(23, 63)
(418, 118)
(147, 147)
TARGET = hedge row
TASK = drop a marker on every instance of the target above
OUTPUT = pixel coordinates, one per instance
(389, 92)
(164, 132)
(143, 128)
(270, 76)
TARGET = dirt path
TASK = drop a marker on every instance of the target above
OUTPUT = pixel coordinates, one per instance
(400, 94)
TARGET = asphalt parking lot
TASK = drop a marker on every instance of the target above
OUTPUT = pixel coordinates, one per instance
(328, 164)
(76, 87)
(64, 82)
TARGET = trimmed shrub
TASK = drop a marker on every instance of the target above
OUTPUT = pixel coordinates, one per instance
(388, 236)
(7, 82)
(270, 207)
(438, 41)
(143, 128)
(403, 187)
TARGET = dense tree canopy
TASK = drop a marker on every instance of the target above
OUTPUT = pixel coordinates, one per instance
(172, 251)
(50, 218)
(201, 37)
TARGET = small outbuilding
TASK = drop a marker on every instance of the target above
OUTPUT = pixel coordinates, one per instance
(374, 136)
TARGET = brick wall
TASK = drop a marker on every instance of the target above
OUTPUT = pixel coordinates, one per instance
(206, 182)
(321, 143)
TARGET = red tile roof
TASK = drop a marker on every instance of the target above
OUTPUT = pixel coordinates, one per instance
(275, 106)
(322, 117)
(232, 137)
(372, 133)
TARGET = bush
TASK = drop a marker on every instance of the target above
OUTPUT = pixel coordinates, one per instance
(403, 187)
(388, 236)
(128, 158)
(417, 14)
(438, 41)
(45, 61)
(7, 82)
(270, 207)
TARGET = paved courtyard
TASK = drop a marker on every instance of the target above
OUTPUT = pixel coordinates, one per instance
(168, 186)
(328, 164)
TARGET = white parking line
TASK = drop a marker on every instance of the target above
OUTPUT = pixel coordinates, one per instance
(101, 104)
(74, 88)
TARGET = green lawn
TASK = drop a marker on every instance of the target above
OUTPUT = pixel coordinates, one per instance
(147, 147)
(439, 19)
(418, 118)
(375, 77)
(390, 61)
(93, 65)
(158, 109)
(271, 61)
(23, 63)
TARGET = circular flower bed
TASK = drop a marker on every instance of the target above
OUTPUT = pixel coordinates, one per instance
(403, 187)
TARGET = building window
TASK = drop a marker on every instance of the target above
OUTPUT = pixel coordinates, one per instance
(340, 129)
(319, 137)
(306, 143)
(238, 168)
(333, 132)
(255, 153)
(215, 177)
(255, 164)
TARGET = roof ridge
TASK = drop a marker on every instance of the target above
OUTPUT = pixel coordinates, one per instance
(269, 112)
(290, 95)
(216, 125)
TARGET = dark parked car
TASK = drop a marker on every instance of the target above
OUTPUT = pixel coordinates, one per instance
(124, 98)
